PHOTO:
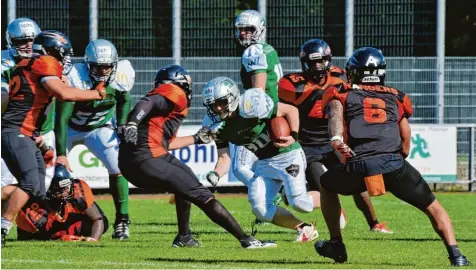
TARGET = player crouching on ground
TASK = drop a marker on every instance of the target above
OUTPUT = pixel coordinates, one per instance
(69, 212)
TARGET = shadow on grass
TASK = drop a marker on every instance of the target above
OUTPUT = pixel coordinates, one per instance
(281, 262)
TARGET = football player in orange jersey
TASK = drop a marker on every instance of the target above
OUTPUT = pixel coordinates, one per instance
(305, 90)
(69, 212)
(34, 83)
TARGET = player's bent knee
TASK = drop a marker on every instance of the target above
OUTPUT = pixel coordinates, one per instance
(302, 203)
(264, 213)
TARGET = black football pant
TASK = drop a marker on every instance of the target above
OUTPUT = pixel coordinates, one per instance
(406, 183)
(25, 162)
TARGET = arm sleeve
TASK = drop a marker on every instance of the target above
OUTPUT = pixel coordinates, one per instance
(63, 112)
(123, 106)
(146, 104)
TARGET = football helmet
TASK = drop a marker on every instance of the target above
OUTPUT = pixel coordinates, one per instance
(56, 44)
(221, 97)
(19, 33)
(61, 185)
(250, 20)
(101, 59)
(315, 58)
(367, 65)
(177, 75)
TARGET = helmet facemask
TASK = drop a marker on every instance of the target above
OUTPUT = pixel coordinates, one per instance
(21, 47)
(222, 108)
(316, 69)
(102, 72)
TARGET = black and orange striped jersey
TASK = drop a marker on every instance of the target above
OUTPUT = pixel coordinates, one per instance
(372, 115)
(28, 100)
(160, 126)
(306, 95)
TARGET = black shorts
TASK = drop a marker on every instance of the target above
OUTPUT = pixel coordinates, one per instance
(406, 183)
(316, 167)
(165, 172)
(25, 162)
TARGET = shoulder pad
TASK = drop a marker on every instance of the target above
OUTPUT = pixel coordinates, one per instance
(125, 76)
(79, 77)
(255, 103)
(254, 58)
(46, 65)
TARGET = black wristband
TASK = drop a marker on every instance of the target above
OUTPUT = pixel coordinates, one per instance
(196, 139)
(295, 135)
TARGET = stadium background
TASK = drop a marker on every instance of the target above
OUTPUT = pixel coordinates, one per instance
(405, 30)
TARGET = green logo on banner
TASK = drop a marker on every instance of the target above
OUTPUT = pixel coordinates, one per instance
(419, 146)
(91, 162)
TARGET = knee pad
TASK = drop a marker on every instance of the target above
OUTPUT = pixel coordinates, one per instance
(264, 213)
(243, 173)
(302, 203)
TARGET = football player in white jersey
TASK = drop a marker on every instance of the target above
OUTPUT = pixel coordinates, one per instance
(96, 124)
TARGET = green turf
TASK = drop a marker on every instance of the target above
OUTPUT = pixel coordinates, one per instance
(413, 245)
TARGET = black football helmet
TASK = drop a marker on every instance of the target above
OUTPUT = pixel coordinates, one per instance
(367, 65)
(315, 58)
(56, 44)
(177, 75)
(60, 183)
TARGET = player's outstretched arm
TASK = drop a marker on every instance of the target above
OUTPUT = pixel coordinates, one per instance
(98, 223)
(405, 134)
(203, 136)
(65, 93)
(336, 129)
(221, 168)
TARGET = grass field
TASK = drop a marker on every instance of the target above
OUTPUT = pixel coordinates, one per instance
(413, 245)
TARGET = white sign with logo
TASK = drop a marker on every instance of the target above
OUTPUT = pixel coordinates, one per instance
(433, 152)
(200, 158)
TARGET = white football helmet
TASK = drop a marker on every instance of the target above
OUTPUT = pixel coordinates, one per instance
(250, 19)
(101, 52)
(221, 97)
(19, 32)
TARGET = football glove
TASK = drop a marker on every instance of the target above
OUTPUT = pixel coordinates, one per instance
(213, 178)
(129, 134)
(203, 136)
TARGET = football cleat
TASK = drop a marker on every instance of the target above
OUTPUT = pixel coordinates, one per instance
(381, 228)
(343, 219)
(185, 241)
(459, 261)
(121, 228)
(307, 233)
(251, 242)
(4, 236)
(333, 250)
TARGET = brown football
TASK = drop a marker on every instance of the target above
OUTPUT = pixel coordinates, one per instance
(278, 127)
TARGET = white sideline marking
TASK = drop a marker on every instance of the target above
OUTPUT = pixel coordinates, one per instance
(192, 265)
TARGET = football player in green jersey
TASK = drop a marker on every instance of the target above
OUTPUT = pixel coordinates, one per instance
(243, 121)
(93, 123)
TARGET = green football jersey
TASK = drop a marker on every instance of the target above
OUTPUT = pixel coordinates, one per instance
(249, 127)
(87, 116)
(262, 58)
(7, 65)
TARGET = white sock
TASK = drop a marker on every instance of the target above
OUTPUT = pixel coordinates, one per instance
(6, 224)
